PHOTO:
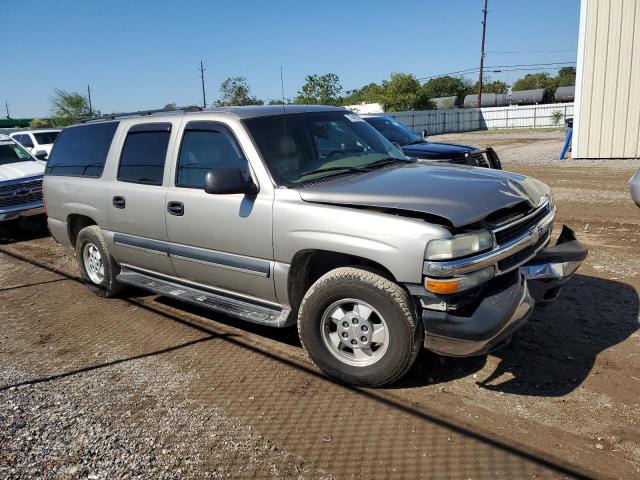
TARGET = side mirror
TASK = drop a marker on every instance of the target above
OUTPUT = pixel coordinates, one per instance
(397, 145)
(225, 181)
(424, 134)
(41, 154)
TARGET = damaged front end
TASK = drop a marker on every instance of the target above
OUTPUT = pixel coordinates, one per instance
(483, 319)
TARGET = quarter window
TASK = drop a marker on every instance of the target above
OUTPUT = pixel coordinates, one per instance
(82, 150)
(144, 153)
(206, 146)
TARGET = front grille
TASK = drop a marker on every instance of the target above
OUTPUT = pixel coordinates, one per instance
(20, 193)
(29, 185)
(518, 258)
(509, 233)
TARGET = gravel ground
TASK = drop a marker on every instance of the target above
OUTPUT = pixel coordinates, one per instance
(144, 387)
(68, 429)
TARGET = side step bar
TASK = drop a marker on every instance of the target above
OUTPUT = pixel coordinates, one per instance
(234, 307)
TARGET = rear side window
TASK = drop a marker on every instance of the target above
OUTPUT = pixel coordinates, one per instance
(144, 153)
(81, 151)
(45, 138)
(206, 146)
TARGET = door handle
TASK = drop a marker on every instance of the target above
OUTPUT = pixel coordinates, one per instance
(119, 201)
(175, 208)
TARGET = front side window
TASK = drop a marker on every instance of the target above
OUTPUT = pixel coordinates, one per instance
(82, 150)
(144, 153)
(206, 146)
(394, 131)
(46, 138)
(305, 146)
(11, 152)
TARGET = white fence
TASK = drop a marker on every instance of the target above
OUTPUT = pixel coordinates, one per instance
(466, 119)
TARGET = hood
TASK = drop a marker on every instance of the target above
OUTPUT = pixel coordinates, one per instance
(462, 195)
(436, 150)
(18, 170)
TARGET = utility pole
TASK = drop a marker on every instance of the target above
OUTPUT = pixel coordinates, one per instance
(204, 98)
(89, 98)
(6, 106)
(484, 30)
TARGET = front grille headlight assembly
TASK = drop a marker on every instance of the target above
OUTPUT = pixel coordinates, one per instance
(459, 246)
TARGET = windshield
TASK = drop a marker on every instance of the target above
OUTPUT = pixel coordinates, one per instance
(11, 152)
(394, 131)
(45, 138)
(307, 146)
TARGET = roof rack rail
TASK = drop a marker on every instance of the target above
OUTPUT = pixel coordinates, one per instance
(140, 113)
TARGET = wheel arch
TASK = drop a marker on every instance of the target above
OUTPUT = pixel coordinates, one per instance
(75, 223)
(309, 265)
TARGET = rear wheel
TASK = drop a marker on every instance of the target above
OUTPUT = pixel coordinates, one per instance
(359, 327)
(97, 267)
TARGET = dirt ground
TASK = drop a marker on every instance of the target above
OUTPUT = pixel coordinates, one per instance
(143, 387)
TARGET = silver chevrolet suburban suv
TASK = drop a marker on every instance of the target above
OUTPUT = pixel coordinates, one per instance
(306, 214)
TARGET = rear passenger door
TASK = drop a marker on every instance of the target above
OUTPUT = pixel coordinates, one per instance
(137, 197)
(222, 241)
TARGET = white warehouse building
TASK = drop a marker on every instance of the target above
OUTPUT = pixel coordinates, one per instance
(607, 108)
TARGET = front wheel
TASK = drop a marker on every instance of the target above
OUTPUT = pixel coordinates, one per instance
(359, 327)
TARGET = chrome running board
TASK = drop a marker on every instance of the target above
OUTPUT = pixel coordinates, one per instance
(234, 307)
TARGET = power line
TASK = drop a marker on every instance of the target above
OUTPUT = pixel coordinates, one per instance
(531, 51)
(524, 69)
(473, 70)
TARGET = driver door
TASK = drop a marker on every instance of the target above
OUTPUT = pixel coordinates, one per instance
(222, 241)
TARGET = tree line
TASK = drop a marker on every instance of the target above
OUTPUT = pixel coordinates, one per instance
(401, 92)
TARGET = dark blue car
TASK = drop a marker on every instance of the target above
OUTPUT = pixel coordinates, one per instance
(415, 146)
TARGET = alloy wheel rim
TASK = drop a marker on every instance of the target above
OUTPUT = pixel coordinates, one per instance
(354, 332)
(93, 263)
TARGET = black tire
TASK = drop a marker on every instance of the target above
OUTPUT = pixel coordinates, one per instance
(405, 334)
(109, 286)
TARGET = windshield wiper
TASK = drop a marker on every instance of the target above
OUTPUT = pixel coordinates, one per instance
(420, 140)
(334, 169)
(386, 161)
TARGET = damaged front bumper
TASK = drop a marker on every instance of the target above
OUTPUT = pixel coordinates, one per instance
(506, 304)
(490, 157)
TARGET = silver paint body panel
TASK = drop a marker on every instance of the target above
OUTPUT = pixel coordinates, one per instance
(246, 244)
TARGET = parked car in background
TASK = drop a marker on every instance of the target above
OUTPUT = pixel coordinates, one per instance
(36, 141)
(634, 185)
(416, 146)
(20, 181)
(307, 215)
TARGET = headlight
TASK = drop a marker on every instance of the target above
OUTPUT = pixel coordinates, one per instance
(459, 246)
(458, 284)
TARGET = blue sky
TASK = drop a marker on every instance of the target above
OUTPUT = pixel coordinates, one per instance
(140, 54)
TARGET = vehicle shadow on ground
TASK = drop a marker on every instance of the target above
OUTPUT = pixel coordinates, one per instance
(556, 350)
(16, 231)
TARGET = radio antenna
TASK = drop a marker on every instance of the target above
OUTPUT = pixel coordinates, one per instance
(284, 111)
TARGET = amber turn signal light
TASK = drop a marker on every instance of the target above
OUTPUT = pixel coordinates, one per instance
(442, 286)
